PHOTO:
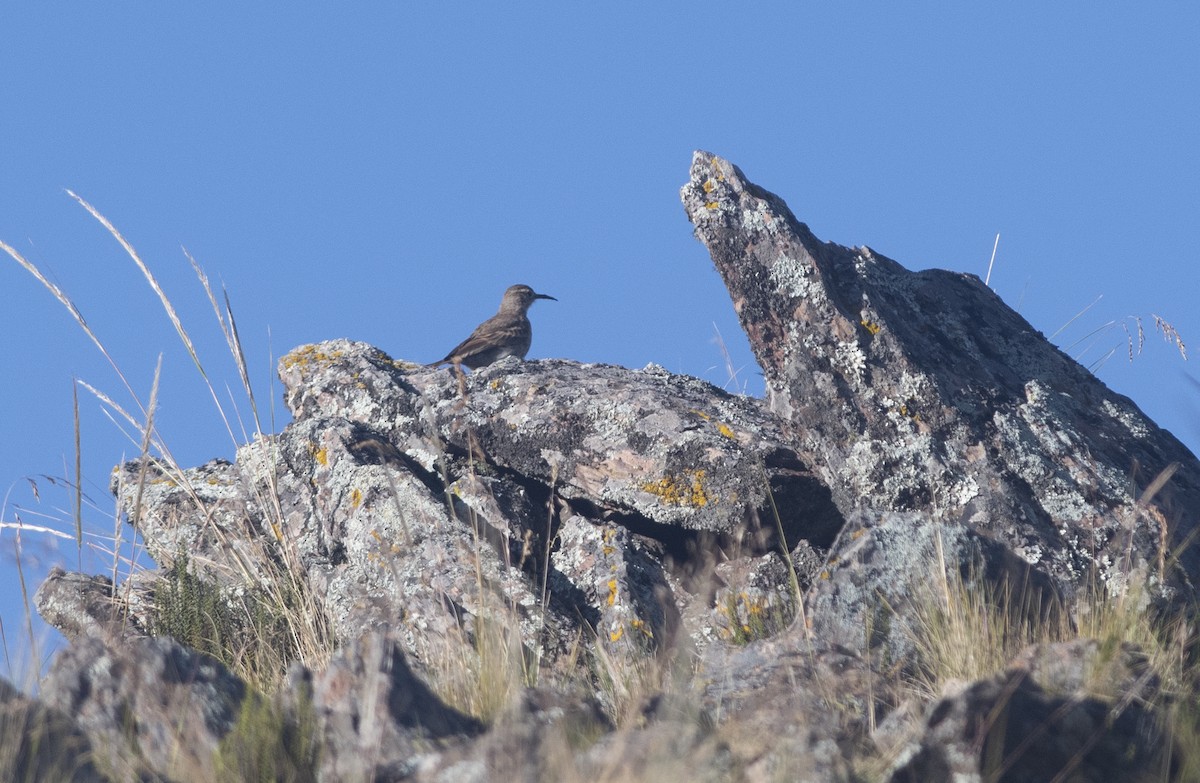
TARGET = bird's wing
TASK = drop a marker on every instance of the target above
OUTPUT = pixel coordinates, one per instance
(478, 340)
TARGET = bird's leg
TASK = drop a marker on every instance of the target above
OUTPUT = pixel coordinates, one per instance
(462, 378)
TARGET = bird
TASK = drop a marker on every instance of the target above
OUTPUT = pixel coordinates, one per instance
(507, 333)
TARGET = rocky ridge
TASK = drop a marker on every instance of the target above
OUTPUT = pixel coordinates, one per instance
(767, 557)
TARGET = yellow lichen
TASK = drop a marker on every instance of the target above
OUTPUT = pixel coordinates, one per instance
(709, 185)
(356, 497)
(711, 205)
(306, 355)
(616, 635)
(722, 428)
(612, 591)
(607, 548)
(870, 326)
(686, 489)
(320, 454)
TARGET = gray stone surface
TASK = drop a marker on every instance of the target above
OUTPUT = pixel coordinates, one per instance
(83, 605)
(377, 720)
(923, 392)
(151, 707)
(407, 503)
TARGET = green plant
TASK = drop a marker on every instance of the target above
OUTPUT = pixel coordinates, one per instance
(269, 744)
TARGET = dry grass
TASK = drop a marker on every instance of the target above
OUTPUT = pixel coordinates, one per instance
(965, 629)
(299, 629)
(483, 672)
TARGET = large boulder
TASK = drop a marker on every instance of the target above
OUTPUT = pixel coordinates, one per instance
(923, 392)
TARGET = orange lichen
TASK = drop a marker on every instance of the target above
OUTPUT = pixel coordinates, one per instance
(306, 355)
(608, 549)
(722, 428)
(686, 489)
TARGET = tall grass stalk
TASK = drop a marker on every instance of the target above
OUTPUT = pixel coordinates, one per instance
(283, 585)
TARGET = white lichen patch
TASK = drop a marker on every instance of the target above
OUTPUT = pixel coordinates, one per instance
(889, 469)
(1133, 424)
(849, 358)
(609, 418)
(425, 458)
(913, 387)
(960, 490)
(1030, 553)
(761, 218)
(1063, 501)
(863, 258)
(792, 277)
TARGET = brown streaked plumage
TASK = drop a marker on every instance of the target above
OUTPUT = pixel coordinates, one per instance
(507, 333)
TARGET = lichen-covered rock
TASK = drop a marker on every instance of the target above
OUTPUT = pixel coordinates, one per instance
(86, 605)
(904, 557)
(789, 712)
(626, 585)
(150, 706)
(409, 501)
(924, 392)
(535, 739)
(667, 448)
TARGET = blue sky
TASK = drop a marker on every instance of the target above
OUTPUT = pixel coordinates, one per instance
(382, 171)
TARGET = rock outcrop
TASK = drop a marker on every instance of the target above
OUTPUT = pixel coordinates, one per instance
(564, 529)
(924, 392)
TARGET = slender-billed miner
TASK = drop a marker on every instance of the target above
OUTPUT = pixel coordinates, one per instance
(507, 333)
